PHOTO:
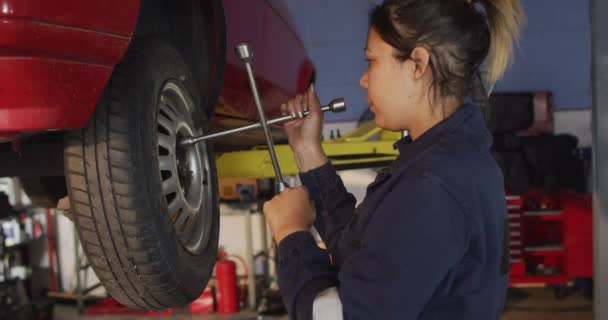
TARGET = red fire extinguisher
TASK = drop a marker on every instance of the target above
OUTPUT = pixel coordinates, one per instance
(225, 272)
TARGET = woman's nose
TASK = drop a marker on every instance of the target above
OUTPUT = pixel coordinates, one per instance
(363, 80)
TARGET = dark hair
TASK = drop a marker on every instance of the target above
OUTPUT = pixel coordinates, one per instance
(459, 35)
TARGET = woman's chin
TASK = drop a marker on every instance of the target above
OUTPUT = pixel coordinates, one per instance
(386, 125)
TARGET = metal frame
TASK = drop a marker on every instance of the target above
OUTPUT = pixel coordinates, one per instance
(81, 293)
(599, 40)
(365, 146)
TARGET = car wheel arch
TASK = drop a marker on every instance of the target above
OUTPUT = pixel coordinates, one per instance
(196, 29)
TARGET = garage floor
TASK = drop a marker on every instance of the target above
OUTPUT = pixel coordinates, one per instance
(540, 304)
(529, 304)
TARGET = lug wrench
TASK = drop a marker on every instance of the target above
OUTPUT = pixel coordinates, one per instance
(336, 105)
(245, 53)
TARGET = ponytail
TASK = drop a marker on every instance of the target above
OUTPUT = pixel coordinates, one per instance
(460, 36)
(505, 18)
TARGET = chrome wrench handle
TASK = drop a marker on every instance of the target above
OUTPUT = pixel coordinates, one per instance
(245, 52)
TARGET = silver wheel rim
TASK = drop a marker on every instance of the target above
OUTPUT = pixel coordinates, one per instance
(184, 171)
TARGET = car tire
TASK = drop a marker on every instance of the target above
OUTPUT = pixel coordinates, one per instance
(145, 208)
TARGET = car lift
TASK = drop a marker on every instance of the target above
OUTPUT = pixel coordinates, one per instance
(364, 147)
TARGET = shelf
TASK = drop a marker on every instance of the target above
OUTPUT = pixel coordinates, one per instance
(28, 212)
(23, 244)
(549, 215)
(515, 224)
(69, 296)
(10, 218)
(543, 213)
(544, 250)
(533, 279)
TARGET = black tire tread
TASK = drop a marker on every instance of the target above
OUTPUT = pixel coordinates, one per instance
(118, 241)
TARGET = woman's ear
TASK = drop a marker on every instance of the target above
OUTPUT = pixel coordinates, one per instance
(421, 58)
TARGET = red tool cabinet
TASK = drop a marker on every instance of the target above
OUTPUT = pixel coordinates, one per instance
(550, 237)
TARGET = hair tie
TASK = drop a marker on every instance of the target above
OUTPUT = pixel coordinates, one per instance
(478, 6)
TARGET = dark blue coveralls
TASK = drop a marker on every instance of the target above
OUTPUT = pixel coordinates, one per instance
(429, 241)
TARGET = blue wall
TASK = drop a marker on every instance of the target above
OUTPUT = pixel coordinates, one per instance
(554, 53)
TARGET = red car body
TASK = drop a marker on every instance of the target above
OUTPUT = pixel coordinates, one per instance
(57, 56)
(118, 66)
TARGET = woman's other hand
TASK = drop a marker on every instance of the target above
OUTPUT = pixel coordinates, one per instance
(289, 212)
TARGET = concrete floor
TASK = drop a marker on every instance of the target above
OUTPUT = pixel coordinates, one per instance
(540, 304)
(529, 304)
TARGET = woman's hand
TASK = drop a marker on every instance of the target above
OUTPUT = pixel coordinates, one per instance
(289, 212)
(304, 135)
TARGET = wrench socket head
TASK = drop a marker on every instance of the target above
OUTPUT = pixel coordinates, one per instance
(337, 105)
(244, 51)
